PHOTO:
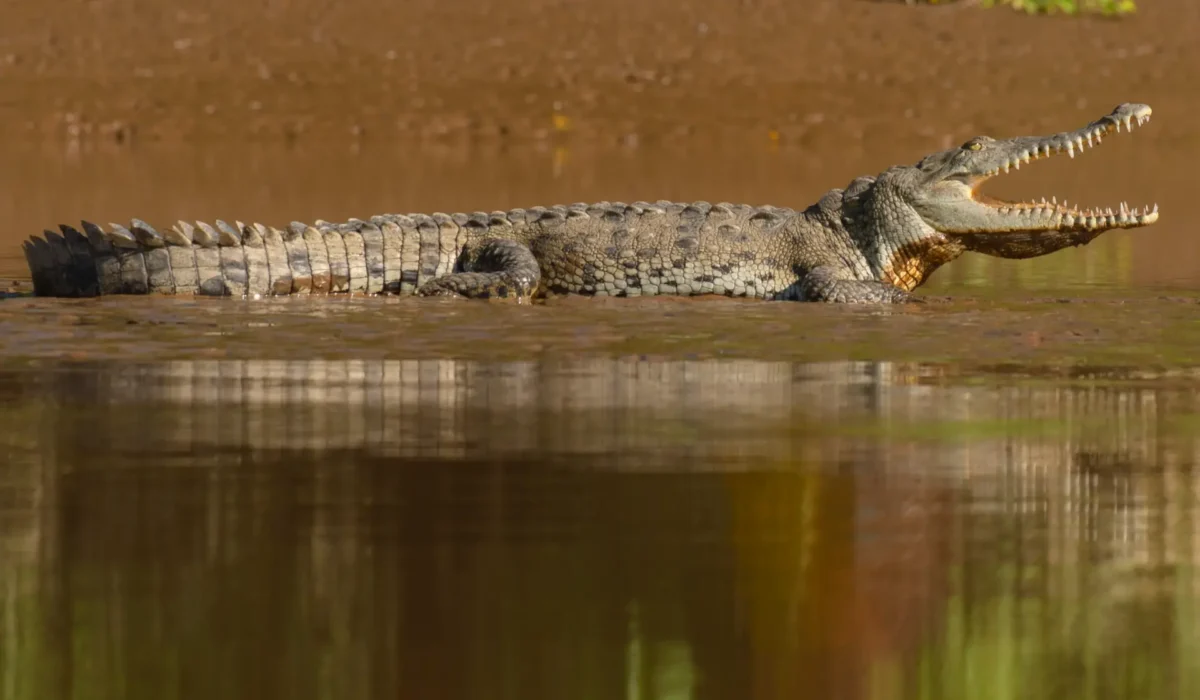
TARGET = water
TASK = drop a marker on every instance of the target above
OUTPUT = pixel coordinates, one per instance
(645, 499)
(595, 528)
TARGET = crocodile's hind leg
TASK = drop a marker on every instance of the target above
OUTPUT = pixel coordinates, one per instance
(492, 268)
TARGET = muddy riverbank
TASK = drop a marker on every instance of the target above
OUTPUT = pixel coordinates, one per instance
(834, 76)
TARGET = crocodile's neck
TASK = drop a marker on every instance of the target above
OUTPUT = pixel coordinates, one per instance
(897, 247)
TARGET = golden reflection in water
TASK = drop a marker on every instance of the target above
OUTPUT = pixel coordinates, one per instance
(598, 528)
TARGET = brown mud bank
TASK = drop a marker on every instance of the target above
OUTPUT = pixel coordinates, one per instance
(831, 75)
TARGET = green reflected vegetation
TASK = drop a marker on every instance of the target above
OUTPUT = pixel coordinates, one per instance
(1069, 7)
(1015, 646)
(1111, 8)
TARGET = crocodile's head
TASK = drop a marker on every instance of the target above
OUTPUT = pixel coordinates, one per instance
(935, 209)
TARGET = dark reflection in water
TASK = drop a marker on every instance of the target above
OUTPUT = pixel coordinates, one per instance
(594, 529)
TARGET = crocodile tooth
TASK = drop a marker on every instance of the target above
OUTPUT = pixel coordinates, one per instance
(1068, 220)
(1079, 143)
(1071, 148)
(1089, 139)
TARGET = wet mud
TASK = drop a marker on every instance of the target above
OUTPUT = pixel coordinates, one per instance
(1062, 333)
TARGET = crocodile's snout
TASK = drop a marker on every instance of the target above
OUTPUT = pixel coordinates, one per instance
(1009, 155)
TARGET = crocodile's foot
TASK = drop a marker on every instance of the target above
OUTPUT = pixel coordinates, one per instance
(479, 285)
(495, 269)
(825, 285)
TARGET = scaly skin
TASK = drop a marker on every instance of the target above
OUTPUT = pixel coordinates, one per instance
(873, 242)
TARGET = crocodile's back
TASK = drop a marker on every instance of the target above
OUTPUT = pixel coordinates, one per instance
(603, 248)
(667, 248)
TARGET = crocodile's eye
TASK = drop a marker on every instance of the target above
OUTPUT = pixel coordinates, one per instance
(972, 146)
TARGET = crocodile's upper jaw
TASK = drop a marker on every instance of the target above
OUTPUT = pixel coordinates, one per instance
(949, 201)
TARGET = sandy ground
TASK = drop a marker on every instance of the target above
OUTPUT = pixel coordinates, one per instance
(824, 74)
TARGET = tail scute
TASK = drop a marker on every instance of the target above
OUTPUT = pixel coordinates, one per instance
(41, 266)
(63, 286)
(83, 276)
(120, 237)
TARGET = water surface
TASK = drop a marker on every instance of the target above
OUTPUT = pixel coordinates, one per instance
(595, 528)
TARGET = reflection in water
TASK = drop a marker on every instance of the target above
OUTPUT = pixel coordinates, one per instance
(593, 529)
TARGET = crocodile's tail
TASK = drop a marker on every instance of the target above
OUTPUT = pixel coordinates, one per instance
(388, 254)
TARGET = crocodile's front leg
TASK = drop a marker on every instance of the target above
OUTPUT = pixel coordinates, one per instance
(828, 284)
(492, 268)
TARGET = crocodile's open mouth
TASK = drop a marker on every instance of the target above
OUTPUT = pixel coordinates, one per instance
(1055, 215)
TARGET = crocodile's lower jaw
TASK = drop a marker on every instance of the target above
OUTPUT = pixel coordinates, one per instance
(1052, 216)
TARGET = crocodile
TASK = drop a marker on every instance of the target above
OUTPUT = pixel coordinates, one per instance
(874, 241)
